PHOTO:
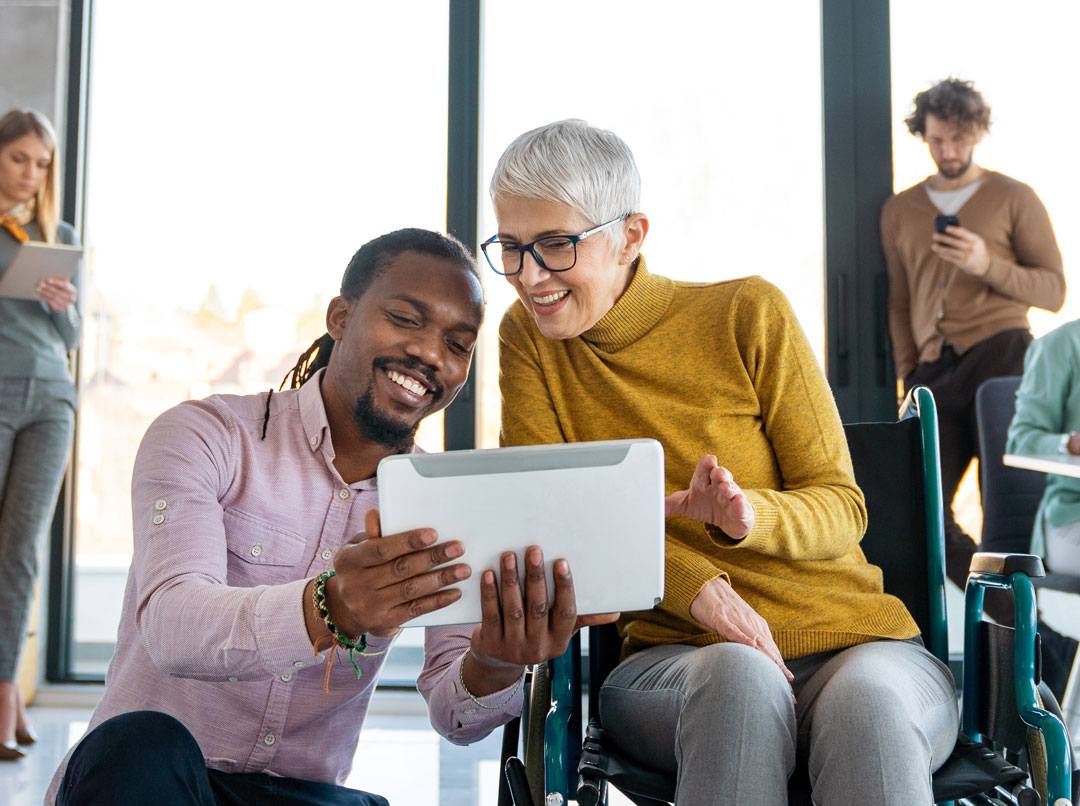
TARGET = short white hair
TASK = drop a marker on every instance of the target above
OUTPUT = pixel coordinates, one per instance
(590, 170)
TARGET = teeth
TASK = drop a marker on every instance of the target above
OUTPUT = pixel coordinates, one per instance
(550, 298)
(406, 382)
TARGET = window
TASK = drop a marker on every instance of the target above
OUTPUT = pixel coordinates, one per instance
(239, 154)
(725, 126)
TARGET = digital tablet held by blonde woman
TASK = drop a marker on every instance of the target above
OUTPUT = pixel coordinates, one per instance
(38, 264)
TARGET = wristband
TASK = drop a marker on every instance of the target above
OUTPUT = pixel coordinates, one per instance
(471, 696)
(359, 646)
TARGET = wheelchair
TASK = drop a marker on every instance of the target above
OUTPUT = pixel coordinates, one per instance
(1013, 747)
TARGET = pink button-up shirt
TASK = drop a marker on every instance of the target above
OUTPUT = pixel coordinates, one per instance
(228, 528)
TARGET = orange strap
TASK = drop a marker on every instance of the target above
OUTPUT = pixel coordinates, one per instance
(12, 226)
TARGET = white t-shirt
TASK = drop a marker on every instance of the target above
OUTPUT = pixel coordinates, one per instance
(950, 201)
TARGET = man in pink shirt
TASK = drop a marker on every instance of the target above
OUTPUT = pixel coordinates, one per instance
(229, 683)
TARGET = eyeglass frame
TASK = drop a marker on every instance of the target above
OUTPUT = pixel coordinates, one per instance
(531, 248)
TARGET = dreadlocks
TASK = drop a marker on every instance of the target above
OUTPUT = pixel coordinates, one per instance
(310, 361)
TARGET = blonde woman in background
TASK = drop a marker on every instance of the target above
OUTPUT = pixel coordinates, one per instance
(37, 395)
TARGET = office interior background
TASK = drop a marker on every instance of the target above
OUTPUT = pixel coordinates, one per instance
(224, 158)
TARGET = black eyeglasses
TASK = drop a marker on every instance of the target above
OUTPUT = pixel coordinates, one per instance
(552, 253)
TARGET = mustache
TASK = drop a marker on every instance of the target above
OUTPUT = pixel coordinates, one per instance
(415, 365)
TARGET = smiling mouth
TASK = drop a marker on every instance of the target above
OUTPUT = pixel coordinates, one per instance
(407, 383)
(550, 299)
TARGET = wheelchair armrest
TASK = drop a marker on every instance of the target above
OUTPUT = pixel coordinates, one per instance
(988, 562)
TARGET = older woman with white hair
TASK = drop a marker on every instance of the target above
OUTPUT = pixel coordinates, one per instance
(774, 640)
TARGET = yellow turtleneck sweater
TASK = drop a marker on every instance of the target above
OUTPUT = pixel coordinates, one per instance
(720, 368)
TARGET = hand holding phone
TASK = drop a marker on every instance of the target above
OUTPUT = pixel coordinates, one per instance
(943, 221)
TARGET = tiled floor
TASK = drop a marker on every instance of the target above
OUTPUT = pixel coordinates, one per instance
(399, 756)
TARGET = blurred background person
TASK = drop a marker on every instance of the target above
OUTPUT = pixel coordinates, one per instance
(37, 393)
(1047, 421)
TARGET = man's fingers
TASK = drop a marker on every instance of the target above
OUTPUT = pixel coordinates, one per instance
(490, 613)
(425, 604)
(419, 562)
(513, 611)
(536, 593)
(421, 585)
(379, 551)
(372, 526)
(564, 608)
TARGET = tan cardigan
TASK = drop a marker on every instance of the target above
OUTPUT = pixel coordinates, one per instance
(720, 368)
(932, 302)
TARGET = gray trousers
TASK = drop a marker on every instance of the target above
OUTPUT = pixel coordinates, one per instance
(871, 722)
(36, 423)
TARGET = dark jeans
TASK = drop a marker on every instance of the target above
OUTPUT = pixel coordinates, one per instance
(147, 757)
(954, 380)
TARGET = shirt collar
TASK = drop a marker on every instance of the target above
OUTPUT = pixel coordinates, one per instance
(313, 412)
(317, 426)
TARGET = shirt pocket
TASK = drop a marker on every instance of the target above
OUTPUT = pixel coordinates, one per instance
(260, 552)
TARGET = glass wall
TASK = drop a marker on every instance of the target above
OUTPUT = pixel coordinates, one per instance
(1022, 58)
(724, 122)
(239, 153)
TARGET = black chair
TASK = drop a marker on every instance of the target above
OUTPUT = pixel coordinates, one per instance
(896, 466)
(1010, 495)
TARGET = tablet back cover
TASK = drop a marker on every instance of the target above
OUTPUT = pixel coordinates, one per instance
(600, 505)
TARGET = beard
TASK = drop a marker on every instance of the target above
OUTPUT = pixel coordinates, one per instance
(382, 428)
(958, 172)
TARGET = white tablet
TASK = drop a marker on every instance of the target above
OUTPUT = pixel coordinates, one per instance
(34, 262)
(599, 505)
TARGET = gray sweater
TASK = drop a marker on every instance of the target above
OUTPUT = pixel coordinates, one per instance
(34, 341)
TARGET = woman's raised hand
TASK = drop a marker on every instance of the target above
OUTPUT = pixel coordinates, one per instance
(718, 607)
(714, 497)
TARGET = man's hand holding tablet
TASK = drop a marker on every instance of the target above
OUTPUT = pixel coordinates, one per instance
(516, 632)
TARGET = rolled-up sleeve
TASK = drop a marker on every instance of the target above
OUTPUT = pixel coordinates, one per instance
(453, 713)
(190, 620)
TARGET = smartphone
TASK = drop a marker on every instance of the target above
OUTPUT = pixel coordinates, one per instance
(943, 221)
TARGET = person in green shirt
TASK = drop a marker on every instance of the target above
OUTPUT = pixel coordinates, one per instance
(1047, 421)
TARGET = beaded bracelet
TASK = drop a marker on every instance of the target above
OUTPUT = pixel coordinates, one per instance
(359, 646)
(471, 696)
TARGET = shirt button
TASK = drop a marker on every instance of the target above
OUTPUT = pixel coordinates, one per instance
(160, 504)
(159, 519)
(233, 678)
(314, 441)
(326, 554)
(343, 494)
(269, 739)
(285, 678)
(470, 711)
(941, 314)
(256, 550)
(299, 664)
